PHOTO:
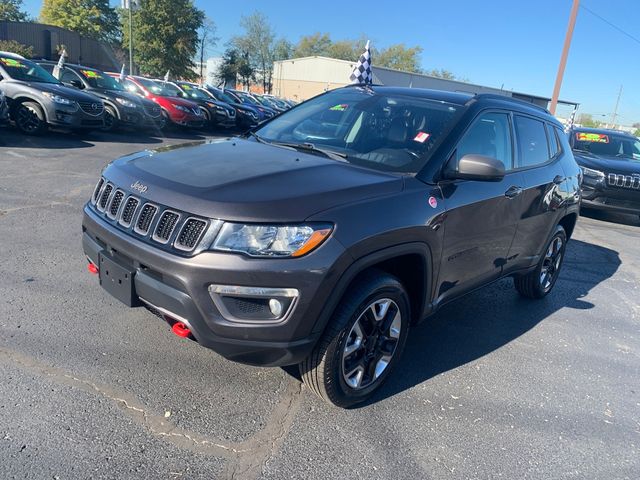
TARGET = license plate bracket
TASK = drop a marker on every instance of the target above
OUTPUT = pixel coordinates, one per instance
(117, 279)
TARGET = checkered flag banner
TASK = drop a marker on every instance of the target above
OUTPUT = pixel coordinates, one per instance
(362, 71)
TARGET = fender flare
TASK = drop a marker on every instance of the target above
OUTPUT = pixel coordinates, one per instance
(28, 98)
(369, 260)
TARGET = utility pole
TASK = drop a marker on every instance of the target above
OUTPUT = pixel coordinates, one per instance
(130, 37)
(565, 54)
(615, 110)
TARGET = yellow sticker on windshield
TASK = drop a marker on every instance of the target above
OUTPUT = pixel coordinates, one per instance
(11, 62)
(592, 137)
(91, 74)
(339, 108)
(186, 87)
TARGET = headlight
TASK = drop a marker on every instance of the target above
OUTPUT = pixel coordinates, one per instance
(591, 173)
(126, 103)
(58, 99)
(181, 108)
(271, 240)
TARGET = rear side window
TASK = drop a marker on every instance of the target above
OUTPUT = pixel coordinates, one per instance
(490, 135)
(533, 147)
(132, 87)
(554, 147)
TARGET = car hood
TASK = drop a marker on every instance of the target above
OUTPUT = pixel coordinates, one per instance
(179, 101)
(243, 180)
(67, 92)
(113, 94)
(607, 163)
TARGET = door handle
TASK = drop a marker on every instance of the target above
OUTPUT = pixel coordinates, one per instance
(513, 192)
(558, 179)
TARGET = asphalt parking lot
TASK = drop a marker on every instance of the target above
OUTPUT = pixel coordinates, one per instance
(493, 386)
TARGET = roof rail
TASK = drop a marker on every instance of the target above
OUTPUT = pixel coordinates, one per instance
(496, 96)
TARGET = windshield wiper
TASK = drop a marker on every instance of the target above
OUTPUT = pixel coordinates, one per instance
(310, 147)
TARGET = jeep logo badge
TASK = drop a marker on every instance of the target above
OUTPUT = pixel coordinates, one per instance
(139, 187)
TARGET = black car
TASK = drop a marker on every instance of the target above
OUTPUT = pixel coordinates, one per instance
(320, 238)
(610, 162)
(122, 109)
(37, 99)
(225, 115)
(246, 116)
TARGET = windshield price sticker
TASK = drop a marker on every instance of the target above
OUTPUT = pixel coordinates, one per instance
(91, 74)
(592, 137)
(339, 108)
(10, 62)
(421, 137)
(186, 87)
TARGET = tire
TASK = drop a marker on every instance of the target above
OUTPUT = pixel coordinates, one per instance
(29, 118)
(110, 119)
(166, 120)
(362, 343)
(539, 282)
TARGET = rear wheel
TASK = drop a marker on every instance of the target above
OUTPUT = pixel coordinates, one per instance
(29, 118)
(539, 282)
(110, 119)
(362, 343)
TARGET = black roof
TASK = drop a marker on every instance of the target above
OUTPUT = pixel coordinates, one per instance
(608, 131)
(459, 98)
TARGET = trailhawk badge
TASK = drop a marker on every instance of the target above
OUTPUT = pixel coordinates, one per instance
(139, 187)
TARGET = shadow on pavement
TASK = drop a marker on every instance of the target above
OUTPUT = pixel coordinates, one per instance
(484, 321)
(59, 139)
(606, 216)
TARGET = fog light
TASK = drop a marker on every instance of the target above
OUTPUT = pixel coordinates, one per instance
(253, 304)
(276, 307)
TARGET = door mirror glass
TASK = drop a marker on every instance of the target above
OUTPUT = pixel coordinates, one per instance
(478, 167)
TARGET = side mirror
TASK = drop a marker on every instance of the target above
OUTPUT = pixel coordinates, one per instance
(76, 84)
(477, 167)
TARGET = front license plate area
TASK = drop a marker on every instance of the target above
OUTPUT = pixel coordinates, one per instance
(117, 279)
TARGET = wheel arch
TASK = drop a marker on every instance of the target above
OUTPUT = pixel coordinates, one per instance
(411, 263)
(568, 222)
(27, 98)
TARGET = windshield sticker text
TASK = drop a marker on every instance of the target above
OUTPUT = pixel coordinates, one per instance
(421, 137)
(340, 107)
(10, 62)
(91, 74)
(592, 137)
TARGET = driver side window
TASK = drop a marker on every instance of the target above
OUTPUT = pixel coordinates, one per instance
(68, 76)
(490, 135)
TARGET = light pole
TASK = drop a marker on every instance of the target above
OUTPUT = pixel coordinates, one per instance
(130, 38)
(563, 58)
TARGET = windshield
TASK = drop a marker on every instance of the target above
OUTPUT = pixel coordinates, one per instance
(168, 89)
(386, 132)
(100, 80)
(222, 96)
(248, 98)
(26, 71)
(193, 92)
(608, 145)
(154, 87)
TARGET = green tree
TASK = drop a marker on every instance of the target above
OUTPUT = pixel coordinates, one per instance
(165, 37)
(441, 73)
(310, 45)
(228, 68)
(586, 120)
(10, 11)
(91, 18)
(257, 44)
(15, 47)
(347, 49)
(399, 57)
(282, 49)
(637, 132)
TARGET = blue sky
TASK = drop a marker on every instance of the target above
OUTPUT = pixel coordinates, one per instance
(510, 43)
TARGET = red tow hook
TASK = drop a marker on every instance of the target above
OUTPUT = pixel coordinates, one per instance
(93, 268)
(181, 330)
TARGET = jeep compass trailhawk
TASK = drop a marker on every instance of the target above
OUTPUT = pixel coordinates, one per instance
(323, 236)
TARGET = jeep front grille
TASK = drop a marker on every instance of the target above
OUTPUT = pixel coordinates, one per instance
(624, 181)
(190, 234)
(165, 228)
(145, 218)
(127, 212)
(166, 225)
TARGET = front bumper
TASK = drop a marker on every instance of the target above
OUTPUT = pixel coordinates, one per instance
(62, 116)
(178, 286)
(597, 194)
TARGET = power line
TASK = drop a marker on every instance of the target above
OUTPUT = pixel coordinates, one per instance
(635, 39)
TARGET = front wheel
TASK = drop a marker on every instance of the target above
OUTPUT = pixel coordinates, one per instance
(110, 119)
(30, 118)
(362, 343)
(539, 282)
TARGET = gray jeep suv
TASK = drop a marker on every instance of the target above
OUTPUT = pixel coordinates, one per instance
(323, 236)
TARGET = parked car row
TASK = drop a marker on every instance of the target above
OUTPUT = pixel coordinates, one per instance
(36, 96)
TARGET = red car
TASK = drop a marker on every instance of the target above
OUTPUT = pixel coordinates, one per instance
(175, 110)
